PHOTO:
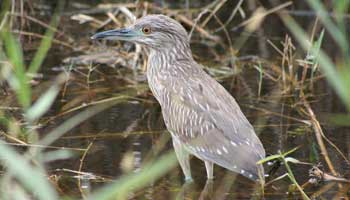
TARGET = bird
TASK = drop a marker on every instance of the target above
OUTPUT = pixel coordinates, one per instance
(202, 117)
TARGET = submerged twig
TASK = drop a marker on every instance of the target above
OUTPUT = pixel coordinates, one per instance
(81, 167)
(319, 135)
(317, 176)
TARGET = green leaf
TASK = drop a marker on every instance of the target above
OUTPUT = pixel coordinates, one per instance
(317, 50)
(292, 160)
(268, 158)
(19, 81)
(57, 155)
(42, 105)
(79, 118)
(291, 151)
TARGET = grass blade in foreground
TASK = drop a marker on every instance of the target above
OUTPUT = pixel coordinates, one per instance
(334, 77)
(135, 181)
(31, 177)
(18, 81)
(46, 42)
(43, 104)
(282, 157)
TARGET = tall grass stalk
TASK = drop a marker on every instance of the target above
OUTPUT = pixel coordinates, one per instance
(45, 42)
(337, 79)
(19, 168)
(19, 80)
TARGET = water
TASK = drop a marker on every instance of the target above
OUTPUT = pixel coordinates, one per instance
(120, 139)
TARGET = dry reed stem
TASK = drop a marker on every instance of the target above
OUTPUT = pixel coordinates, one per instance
(233, 14)
(111, 16)
(318, 175)
(111, 135)
(41, 23)
(201, 30)
(318, 134)
(342, 193)
(212, 13)
(44, 146)
(96, 177)
(319, 131)
(268, 12)
(85, 105)
(109, 6)
(81, 167)
(10, 137)
(276, 114)
(196, 20)
(322, 190)
(232, 53)
(42, 36)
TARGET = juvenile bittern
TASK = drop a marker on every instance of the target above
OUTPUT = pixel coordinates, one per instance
(202, 117)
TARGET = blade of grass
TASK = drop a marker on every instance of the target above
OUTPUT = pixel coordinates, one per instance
(281, 157)
(277, 156)
(42, 105)
(18, 82)
(5, 5)
(341, 9)
(268, 158)
(77, 119)
(327, 66)
(318, 44)
(292, 178)
(260, 69)
(136, 181)
(338, 36)
(31, 177)
(45, 42)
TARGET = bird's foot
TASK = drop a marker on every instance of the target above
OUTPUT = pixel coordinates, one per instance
(188, 179)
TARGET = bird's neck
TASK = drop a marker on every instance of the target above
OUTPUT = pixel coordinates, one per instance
(167, 65)
(167, 58)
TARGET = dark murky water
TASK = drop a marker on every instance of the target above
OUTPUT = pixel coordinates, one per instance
(123, 137)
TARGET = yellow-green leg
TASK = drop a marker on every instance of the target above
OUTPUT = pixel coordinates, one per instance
(209, 166)
(183, 157)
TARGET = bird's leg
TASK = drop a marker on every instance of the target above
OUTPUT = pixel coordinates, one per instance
(183, 157)
(209, 166)
(208, 190)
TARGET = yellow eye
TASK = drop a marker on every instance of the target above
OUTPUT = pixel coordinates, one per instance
(146, 30)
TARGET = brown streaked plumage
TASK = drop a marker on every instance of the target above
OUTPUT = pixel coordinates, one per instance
(202, 117)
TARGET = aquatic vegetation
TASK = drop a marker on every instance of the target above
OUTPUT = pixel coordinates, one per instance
(77, 120)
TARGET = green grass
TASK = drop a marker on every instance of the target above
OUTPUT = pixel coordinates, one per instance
(135, 181)
(34, 179)
(18, 80)
(286, 160)
(337, 73)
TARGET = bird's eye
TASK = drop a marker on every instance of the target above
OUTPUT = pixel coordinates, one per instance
(146, 30)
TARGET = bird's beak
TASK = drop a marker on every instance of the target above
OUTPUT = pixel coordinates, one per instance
(117, 34)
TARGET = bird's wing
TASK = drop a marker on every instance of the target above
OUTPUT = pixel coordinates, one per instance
(209, 121)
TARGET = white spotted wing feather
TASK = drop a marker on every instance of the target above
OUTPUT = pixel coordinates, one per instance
(207, 119)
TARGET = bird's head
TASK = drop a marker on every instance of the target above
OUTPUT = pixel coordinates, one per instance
(154, 31)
